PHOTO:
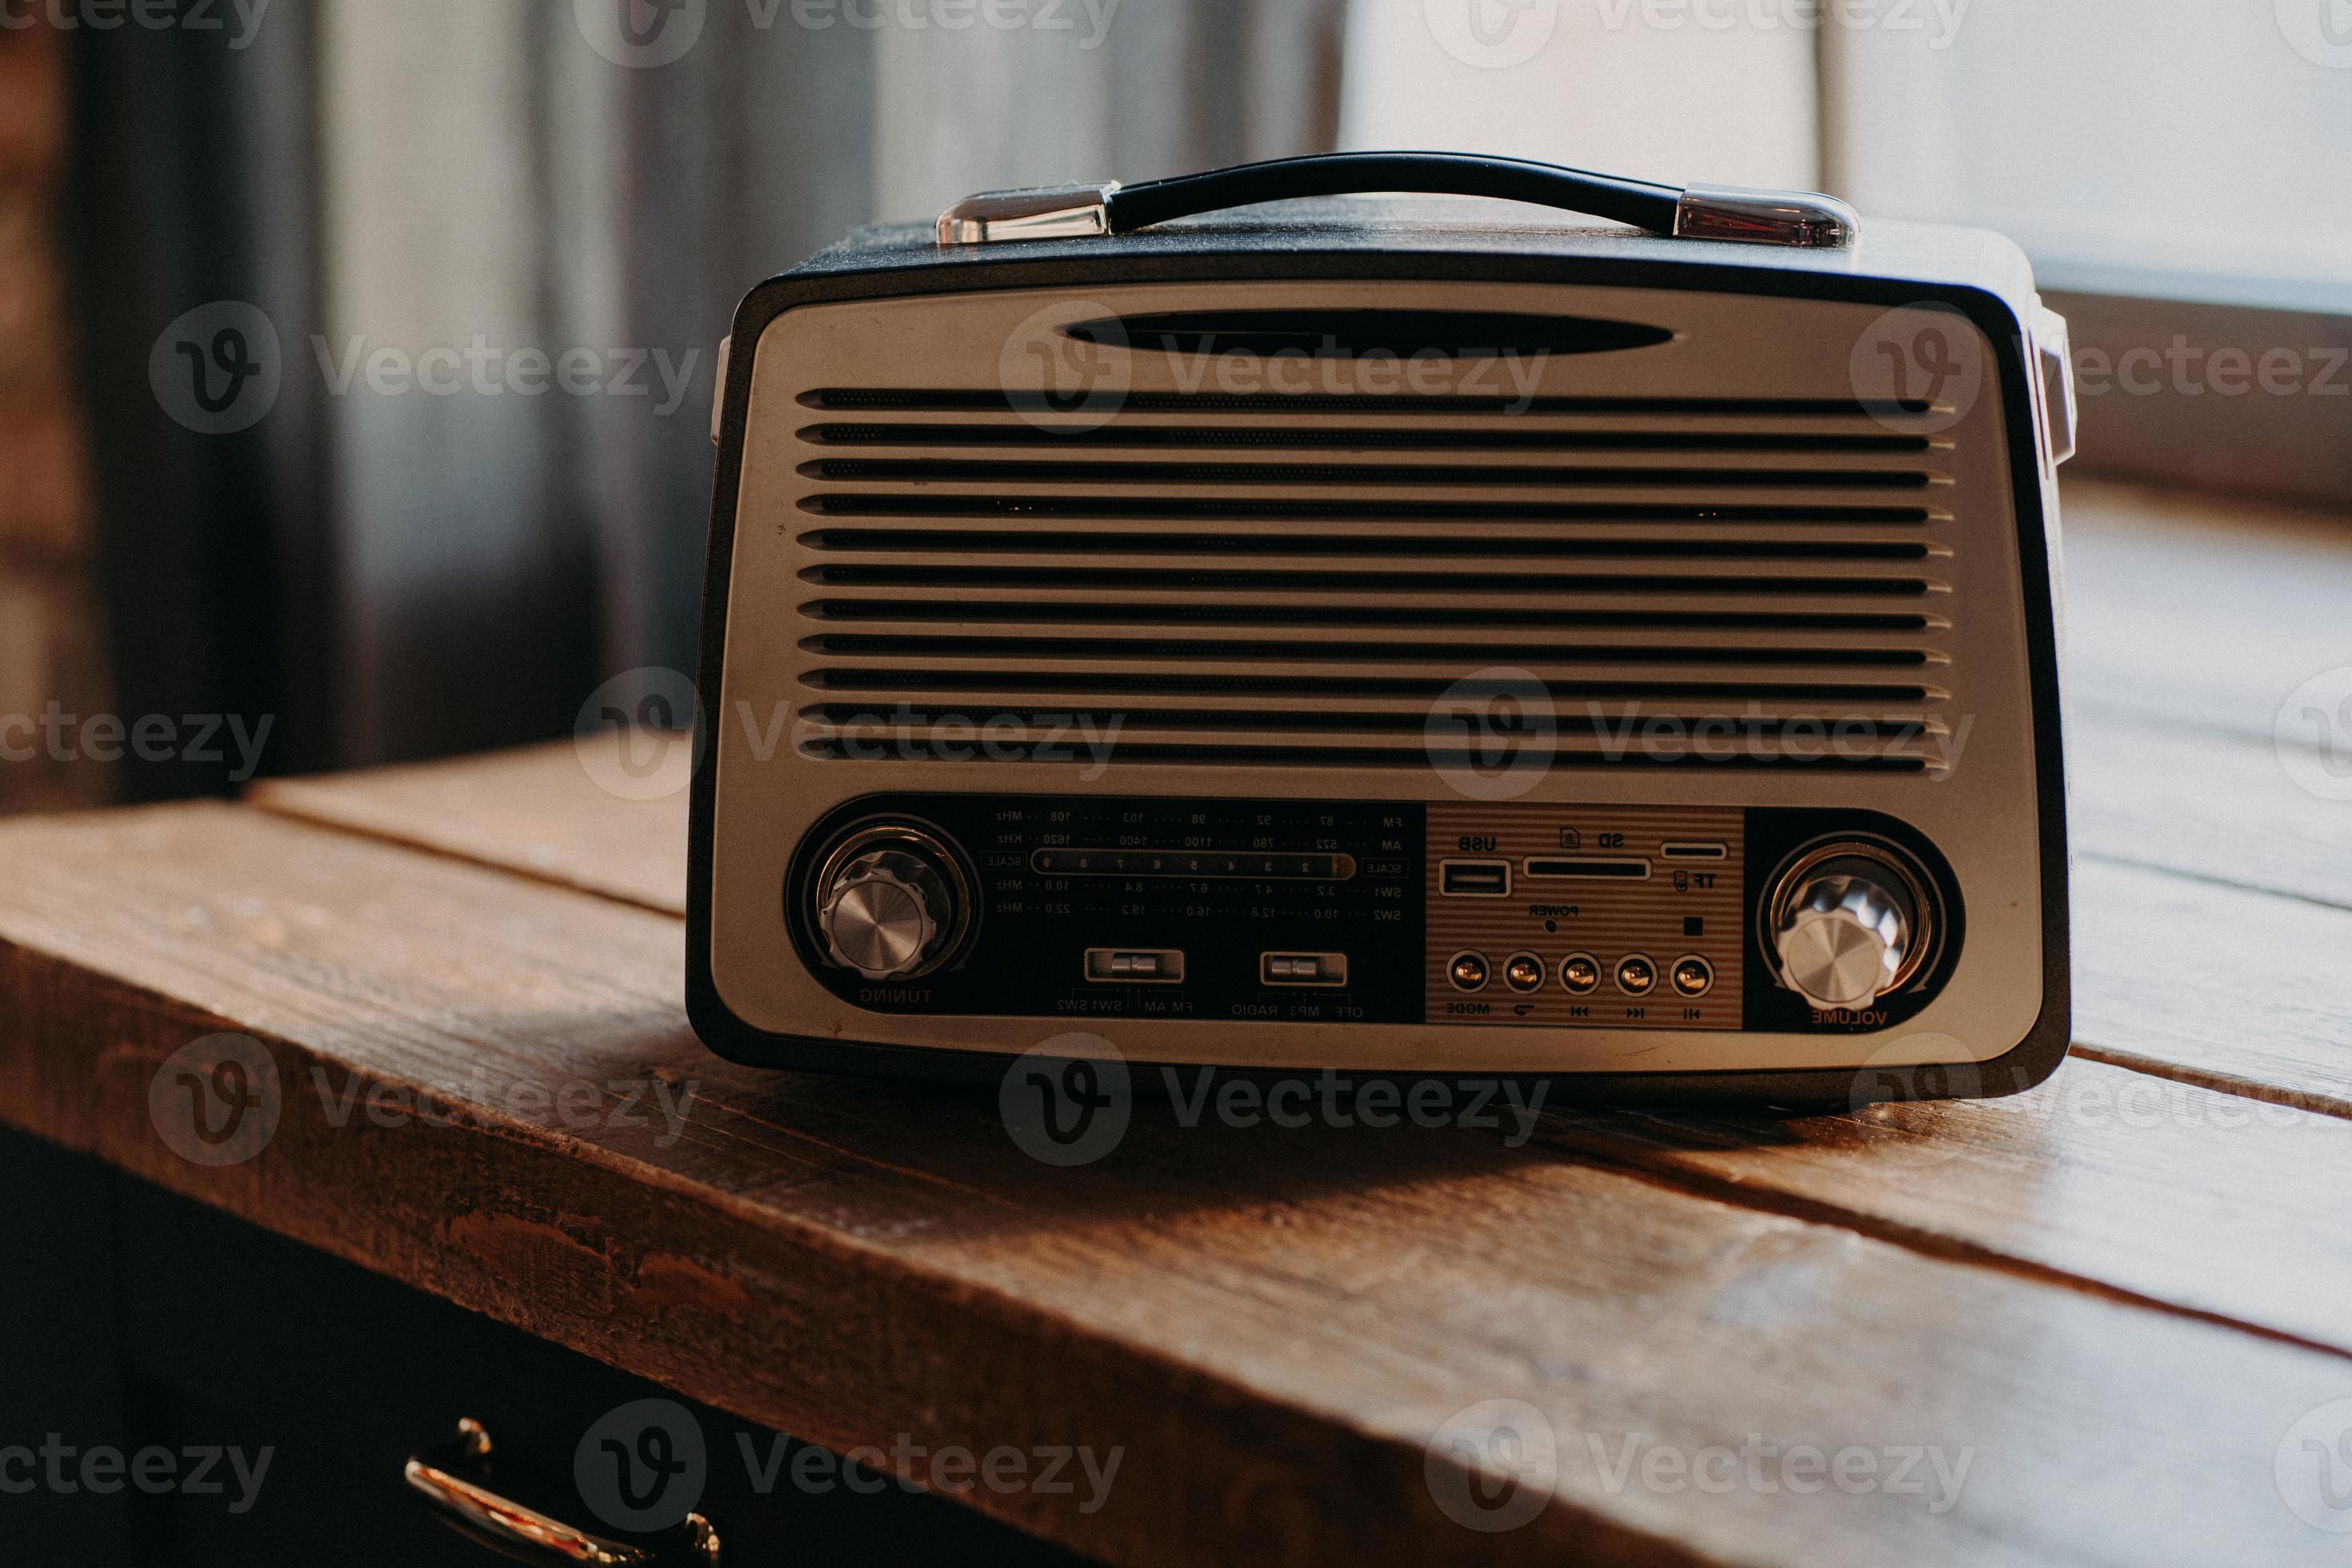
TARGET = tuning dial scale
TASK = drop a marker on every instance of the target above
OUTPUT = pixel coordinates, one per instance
(892, 901)
(1848, 922)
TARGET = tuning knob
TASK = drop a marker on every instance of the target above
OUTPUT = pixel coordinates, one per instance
(1844, 931)
(890, 904)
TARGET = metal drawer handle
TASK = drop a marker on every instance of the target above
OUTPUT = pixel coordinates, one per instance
(519, 1529)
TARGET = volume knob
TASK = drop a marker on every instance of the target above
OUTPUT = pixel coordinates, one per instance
(1843, 938)
(890, 903)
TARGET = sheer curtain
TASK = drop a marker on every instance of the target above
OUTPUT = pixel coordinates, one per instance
(495, 180)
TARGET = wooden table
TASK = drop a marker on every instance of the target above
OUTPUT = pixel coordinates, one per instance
(2113, 1299)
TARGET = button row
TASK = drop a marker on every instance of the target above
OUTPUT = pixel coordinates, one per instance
(1580, 974)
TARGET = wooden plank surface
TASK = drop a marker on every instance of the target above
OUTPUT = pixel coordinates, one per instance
(1270, 1323)
(2119, 1292)
(2171, 1191)
(538, 812)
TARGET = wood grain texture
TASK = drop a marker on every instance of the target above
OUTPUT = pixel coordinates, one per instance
(2096, 1175)
(538, 812)
(2210, 804)
(2198, 613)
(1270, 1322)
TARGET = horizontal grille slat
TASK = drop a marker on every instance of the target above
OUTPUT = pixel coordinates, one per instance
(1035, 542)
(1211, 684)
(1424, 757)
(837, 645)
(947, 400)
(1270, 509)
(949, 470)
(1231, 612)
(1034, 723)
(1111, 578)
(1312, 438)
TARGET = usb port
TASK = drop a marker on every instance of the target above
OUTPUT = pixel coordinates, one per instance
(1303, 969)
(1474, 879)
(1135, 966)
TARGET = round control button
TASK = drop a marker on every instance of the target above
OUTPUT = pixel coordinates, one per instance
(1468, 972)
(1692, 976)
(892, 901)
(1523, 971)
(1579, 974)
(1636, 975)
(1844, 932)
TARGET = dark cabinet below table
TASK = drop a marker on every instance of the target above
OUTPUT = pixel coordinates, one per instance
(190, 1344)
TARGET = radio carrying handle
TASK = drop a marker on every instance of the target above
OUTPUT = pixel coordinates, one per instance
(1690, 212)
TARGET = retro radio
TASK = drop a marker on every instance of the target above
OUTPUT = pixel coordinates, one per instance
(1391, 635)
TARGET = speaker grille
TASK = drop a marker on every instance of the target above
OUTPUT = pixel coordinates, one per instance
(1222, 579)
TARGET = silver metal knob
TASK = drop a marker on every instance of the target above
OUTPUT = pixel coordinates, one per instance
(882, 914)
(1843, 939)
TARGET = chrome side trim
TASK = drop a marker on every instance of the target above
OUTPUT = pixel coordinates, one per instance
(1765, 218)
(1045, 212)
(2052, 343)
